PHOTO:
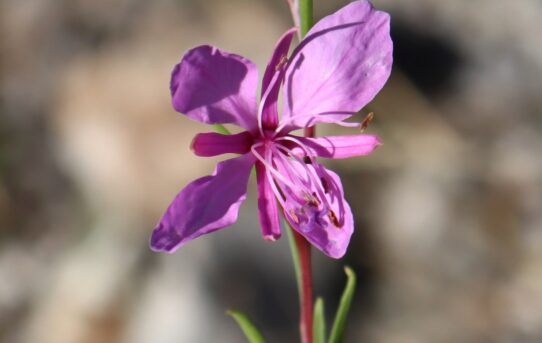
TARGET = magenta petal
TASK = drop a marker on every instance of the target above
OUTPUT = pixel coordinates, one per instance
(278, 57)
(329, 233)
(339, 146)
(212, 144)
(275, 66)
(267, 206)
(339, 67)
(216, 87)
(205, 205)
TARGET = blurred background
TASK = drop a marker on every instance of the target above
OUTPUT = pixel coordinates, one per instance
(448, 241)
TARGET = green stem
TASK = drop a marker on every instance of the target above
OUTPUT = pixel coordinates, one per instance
(295, 256)
(305, 14)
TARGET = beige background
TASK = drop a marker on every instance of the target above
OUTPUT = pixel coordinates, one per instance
(449, 210)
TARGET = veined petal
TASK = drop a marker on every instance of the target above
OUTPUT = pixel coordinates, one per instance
(339, 67)
(328, 229)
(338, 146)
(212, 143)
(275, 68)
(279, 57)
(204, 205)
(267, 205)
(216, 87)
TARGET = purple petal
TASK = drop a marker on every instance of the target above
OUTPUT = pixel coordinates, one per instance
(215, 87)
(212, 144)
(339, 146)
(267, 206)
(329, 231)
(275, 68)
(278, 57)
(205, 205)
(339, 67)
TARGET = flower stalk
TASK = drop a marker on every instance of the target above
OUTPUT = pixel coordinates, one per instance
(305, 289)
(217, 87)
(303, 246)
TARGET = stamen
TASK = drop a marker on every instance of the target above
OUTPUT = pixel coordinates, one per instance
(333, 218)
(293, 216)
(307, 151)
(365, 123)
(309, 180)
(311, 173)
(346, 124)
(312, 200)
(284, 122)
(270, 167)
(281, 157)
(283, 60)
(325, 185)
(278, 194)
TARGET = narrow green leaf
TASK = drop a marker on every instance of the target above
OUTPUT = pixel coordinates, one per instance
(337, 331)
(305, 14)
(319, 329)
(250, 331)
(221, 129)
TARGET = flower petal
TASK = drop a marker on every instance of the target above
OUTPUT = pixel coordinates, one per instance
(267, 205)
(275, 67)
(215, 87)
(328, 229)
(278, 57)
(212, 143)
(205, 205)
(338, 146)
(339, 67)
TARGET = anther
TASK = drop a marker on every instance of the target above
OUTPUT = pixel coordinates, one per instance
(368, 119)
(325, 185)
(312, 200)
(293, 216)
(282, 62)
(315, 199)
(333, 218)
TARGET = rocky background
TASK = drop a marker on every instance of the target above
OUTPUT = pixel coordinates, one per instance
(448, 246)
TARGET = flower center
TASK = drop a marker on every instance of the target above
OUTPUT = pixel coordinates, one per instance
(303, 188)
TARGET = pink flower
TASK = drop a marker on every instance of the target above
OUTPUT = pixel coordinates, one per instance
(337, 69)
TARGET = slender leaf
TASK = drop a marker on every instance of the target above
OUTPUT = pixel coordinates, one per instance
(337, 331)
(319, 321)
(221, 129)
(250, 331)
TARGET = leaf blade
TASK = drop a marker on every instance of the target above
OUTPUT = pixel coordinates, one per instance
(221, 129)
(319, 321)
(339, 323)
(251, 332)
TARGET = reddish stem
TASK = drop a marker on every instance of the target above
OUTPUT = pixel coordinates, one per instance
(305, 298)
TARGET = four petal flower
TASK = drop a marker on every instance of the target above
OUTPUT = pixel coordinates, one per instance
(342, 63)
